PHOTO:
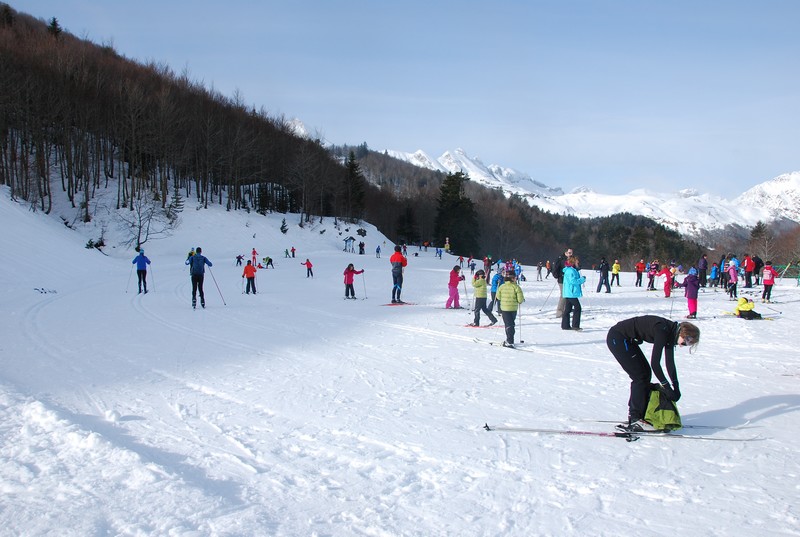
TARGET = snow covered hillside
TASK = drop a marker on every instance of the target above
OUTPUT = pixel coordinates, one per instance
(687, 211)
(295, 412)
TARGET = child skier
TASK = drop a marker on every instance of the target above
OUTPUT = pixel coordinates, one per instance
(452, 287)
(768, 274)
(349, 274)
(692, 285)
(479, 283)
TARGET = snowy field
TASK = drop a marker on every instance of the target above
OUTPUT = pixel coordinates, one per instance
(294, 412)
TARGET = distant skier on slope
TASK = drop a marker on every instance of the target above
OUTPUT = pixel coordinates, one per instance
(197, 268)
(141, 269)
(398, 262)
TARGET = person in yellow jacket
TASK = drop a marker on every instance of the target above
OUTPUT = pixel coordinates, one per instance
(615, 268)
(745, 309)
(481, 294)
(510, 296)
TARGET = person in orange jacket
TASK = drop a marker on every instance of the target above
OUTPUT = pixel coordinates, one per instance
(250, 274)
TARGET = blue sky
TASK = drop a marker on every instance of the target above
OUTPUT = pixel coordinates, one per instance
(615, 95)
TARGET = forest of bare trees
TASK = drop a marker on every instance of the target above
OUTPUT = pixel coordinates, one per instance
(97, 120)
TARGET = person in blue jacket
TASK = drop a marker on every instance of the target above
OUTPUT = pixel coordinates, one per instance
(497, 281)
(141, 269)
(197, 268)
(572, 292)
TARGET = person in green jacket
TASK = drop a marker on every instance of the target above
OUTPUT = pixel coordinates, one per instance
(481, 294)
(510, 296)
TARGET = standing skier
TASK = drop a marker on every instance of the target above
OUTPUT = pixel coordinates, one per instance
(603, 270)
(481, 294)
(250, 274)
(768, 273)
(349, 274)
(452, 287)
(308, 265)
(398, 262)
(510, 296)
(624, 340)
(573, 281)
(692, 285)
(197, 268)
(141, 269)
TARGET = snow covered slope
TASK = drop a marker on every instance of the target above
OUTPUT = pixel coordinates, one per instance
(296, 412)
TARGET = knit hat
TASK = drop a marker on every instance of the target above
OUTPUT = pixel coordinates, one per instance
(693, 271)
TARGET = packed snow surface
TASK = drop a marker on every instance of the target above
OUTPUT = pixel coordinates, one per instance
(296, 412)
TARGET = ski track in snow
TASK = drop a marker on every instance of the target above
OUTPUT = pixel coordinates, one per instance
(293, 412)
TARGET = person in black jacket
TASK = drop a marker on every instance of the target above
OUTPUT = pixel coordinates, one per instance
(603, 270)
(558, 274)
(624, 340)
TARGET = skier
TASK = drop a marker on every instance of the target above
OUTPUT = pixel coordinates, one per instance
(349, 274)
(479, 283)
(452, 287)
(141, 269)
(733, 280)
(603, 270)
(692, 285)
(615, 268)
(768, 274)
(624, 340)
(398, 262)
(702, 268)
(250, 274)
(640, 268)
(497, 281)
(510, 296)
(308, 265)
(255, 256)
(239, 259)
(571, 293)
(197, 268)
(559, 276)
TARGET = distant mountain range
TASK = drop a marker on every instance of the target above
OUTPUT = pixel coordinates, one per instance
(686, 211)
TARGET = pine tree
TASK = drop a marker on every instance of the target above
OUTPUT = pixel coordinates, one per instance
(456, 217)
(284, 227)
(54, 28)
(355, 188)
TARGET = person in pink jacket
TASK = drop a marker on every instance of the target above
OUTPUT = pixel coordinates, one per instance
(349, 274)
(452, 285)
(733, 280)
(768, 274)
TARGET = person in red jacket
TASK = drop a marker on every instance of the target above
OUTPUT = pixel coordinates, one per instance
(398, 262)
(749, 266)
(349, 274)
(250, 274)
(667, 273)
(309, 272)
(640, 268)
(452, 286)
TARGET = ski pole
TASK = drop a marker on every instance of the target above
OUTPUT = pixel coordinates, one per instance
(364, 281)
(217, 285)
(520, 323)
(466, 293)
(129, 279)
(152, 279)
(555, 284)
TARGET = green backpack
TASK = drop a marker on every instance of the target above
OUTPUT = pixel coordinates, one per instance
(662, 413)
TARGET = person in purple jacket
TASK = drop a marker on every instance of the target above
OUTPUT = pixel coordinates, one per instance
(692, 285)
(141, 269)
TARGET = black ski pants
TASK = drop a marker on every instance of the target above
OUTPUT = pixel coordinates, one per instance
(197, 285)
(630, 356)
(480, 306)
(142, 275)
(509, 318)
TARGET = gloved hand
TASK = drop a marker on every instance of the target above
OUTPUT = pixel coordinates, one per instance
(672, 393)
